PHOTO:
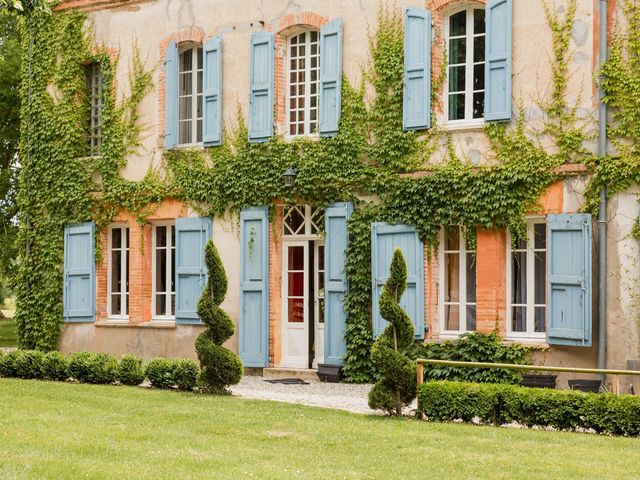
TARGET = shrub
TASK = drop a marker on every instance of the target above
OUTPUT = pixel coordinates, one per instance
(29, 364)
(56, 366)
(560, 409)
(130, 371)
(185, 374)
(220, 366)
(159, 371)
(93, 367)
(397, 384)
(474, 347)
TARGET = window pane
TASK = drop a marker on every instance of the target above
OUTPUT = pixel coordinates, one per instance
(478, 21)
(478, 49)
(199, 131)
(478, 105)
(186, 84)
(185, 108)
(451, 317)
(478, 77)
(540, 235)
(471, 318)
(199, 86)
(116, 271)
(540, 274)
(186, 61)
(518, 319)
(199, 59)
(452, 277)
(161, 271)
(457, 51)
(519, 278)
(116, 305)
(540, 320)
(161, 304)
(116, 238)
(458, 24)
(452, 239)
(296, 310)
(456, 106)
(471, 278)
(161, 236)
(457, 79)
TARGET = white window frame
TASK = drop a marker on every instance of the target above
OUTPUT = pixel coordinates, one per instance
(530, 334)
(169, 280)
(307, 86)
(194, 47)
(311, 222)
(468, 120)
(125, 247)
(462, 296)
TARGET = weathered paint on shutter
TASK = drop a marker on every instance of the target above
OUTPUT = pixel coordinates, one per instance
(384, 240)
(79, 292)
(212, 92)
(261, 87)
(569, 291)
(497, 104)
(416, 111)
(330, 78)
(171, 96)
(190, 276)
(335, 281)
(254, 287)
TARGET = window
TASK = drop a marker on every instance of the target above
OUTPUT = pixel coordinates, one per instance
(526, 282)
(94, 123)
(457, 283)
(118, 294)
(164, 263)
(303, 220)
(190, 96)
(465, 34)
(303, 68)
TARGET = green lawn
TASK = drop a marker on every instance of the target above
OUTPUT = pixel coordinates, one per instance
(57, 430)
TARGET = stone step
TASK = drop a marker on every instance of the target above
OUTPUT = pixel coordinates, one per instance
(301, 373)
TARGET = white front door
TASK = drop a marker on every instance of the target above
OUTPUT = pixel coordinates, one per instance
(318, 282)
(295, 282)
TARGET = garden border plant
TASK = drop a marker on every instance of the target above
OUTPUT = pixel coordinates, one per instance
(366, 157)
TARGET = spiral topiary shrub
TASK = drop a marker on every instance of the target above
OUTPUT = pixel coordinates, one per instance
(220, 367)
(396, 386)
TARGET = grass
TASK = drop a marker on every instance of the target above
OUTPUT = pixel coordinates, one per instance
(8, 333)
(58, 430)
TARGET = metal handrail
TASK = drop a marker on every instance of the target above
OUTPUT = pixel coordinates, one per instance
(421, 362)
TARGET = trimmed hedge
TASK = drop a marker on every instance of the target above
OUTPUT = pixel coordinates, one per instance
(560, 409)
(99, 368)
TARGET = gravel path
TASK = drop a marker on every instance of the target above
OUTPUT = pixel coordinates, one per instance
(340, 396)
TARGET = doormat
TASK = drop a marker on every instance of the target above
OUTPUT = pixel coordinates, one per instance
(288, 381)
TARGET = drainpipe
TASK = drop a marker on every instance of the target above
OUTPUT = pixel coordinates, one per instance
(602, 214)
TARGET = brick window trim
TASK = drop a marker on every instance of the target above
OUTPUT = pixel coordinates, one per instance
(191, 35)
(439, 9)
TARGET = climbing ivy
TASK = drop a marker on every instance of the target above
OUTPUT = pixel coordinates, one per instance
(371, 157)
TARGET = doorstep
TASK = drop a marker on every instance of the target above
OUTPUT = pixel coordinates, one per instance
(301, 373)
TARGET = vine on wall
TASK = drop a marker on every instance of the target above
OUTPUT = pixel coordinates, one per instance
(363, 160)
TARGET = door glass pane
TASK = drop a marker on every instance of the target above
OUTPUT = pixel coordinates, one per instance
(452, 317)
(296, 284)
(296, 258)
(296, 310)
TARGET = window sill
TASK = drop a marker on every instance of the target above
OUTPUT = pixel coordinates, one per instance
(538, 342)
(314, 137)
(126, 324)
(189, 146)
(465, 126)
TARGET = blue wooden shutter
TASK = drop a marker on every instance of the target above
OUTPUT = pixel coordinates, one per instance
(569, 290)
(79, 292)
(330, 77)
(335, 281)
(497, 102)
(384, 240)
(261, 87)
(190, 276)
(171, 96)
(254, 287)
(416, 111)
(212, 91)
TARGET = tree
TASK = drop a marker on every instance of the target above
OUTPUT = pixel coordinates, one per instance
(397, 384)
(220, 367)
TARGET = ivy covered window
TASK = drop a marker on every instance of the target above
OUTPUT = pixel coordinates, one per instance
(190, 95)
(303, 67)
(465, 38)
(118, 281)
(527, 282)
(94, 96)
(457, 283)
(164, 265)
